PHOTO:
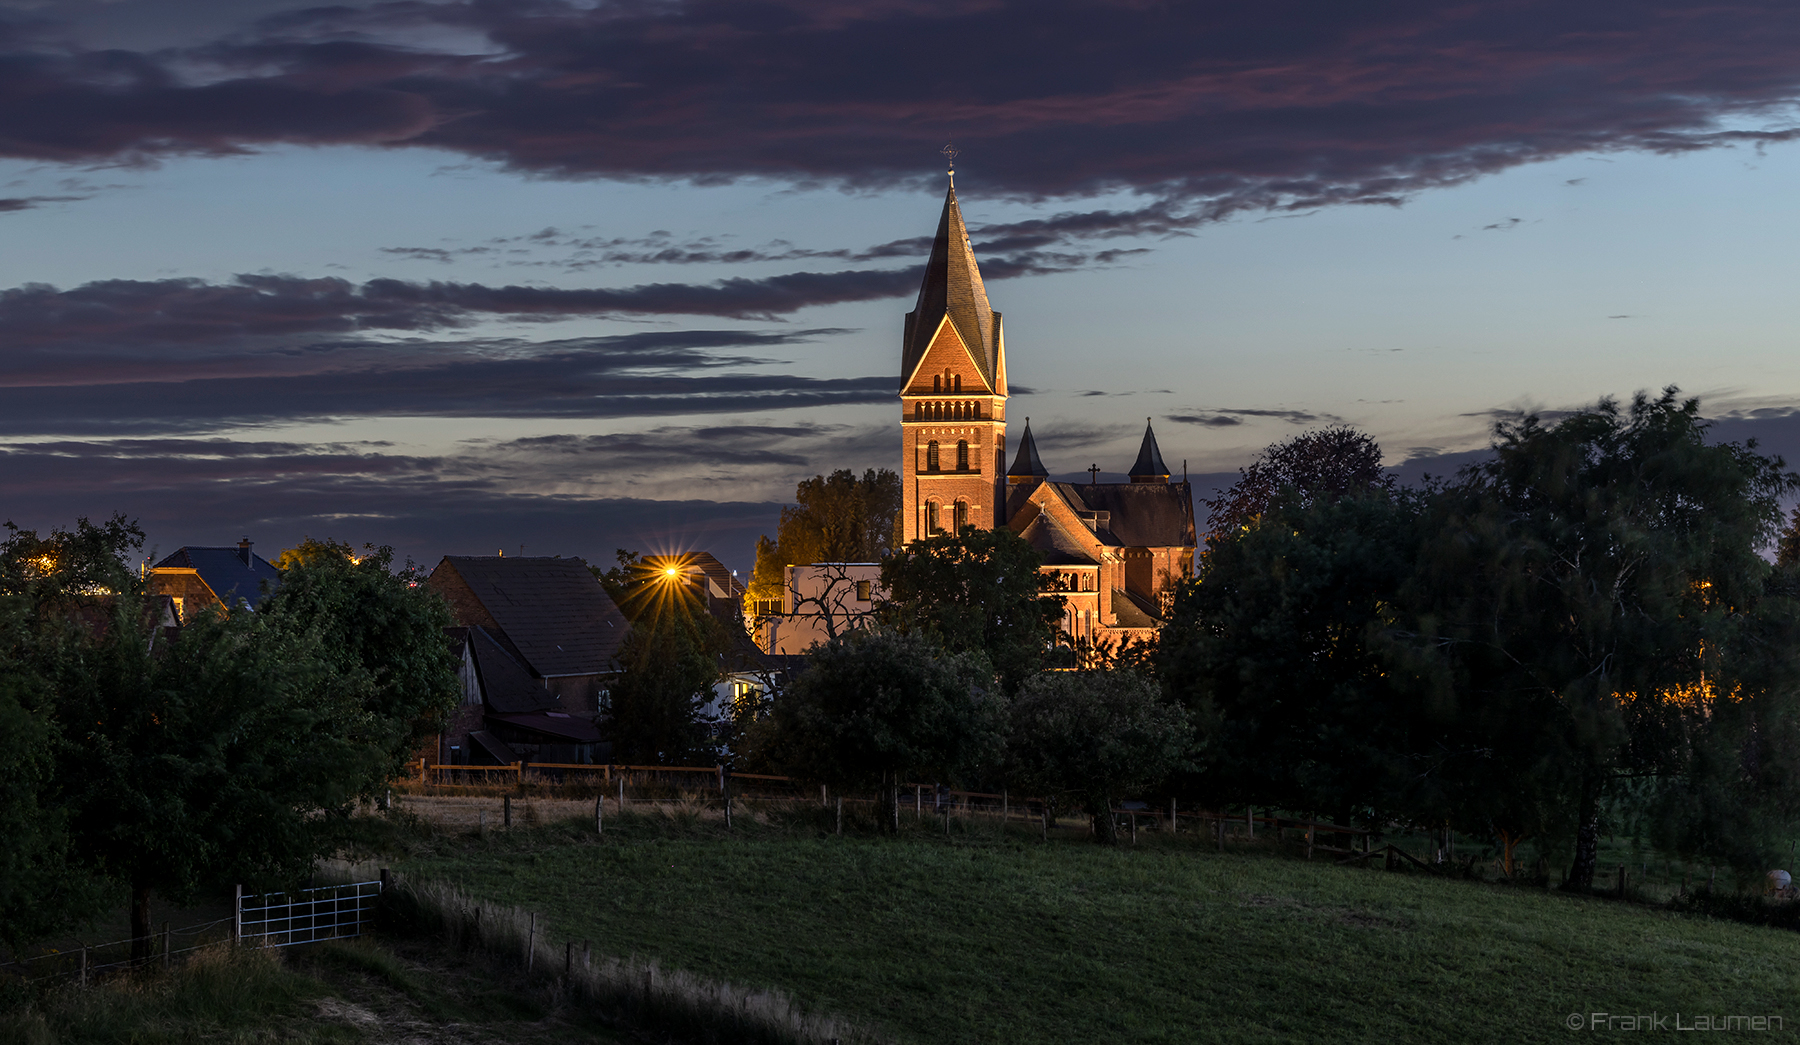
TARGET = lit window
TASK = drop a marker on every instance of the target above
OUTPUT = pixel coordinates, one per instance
(862, 591)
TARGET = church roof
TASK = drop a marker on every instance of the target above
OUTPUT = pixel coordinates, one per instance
(1058, 547)
(1140, 515)
(1026, 461)
(1149, 463)
(953, 287)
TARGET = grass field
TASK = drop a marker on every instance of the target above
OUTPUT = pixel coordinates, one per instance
(977, 939)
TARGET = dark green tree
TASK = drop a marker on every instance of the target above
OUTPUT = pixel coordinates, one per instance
(671, 659)
(381, 634)
(1091, 738)
(978, 591)
(1276, 644)
(1312, 466)
(875, 706)
(1596, 580)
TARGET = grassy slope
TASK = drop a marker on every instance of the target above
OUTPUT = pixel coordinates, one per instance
(981, 941)
(332, 994)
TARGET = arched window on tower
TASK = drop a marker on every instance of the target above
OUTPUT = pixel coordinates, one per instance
(931, 517)
(962, 515)
(938, 413)
(937, 382)
(977, 411)
(962, 455)
(958, 382)
(931, 456)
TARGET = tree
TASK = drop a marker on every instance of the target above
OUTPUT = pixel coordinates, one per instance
(1598, 582)
(1321, 465)
(1094, 737)
(671, 661)
(382, 635)
(837, 518)
(1276, 643)
(978, 591)
(232, 750)
(874, 706)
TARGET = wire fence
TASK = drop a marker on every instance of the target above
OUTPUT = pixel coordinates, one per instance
(280, 919)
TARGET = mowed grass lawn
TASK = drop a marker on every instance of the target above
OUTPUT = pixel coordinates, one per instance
(1021, 941)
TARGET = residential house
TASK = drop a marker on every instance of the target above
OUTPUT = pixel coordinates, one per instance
(194, 578)
(539, 639)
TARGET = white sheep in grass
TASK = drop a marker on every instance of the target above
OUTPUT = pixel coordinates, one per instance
(1779, 883)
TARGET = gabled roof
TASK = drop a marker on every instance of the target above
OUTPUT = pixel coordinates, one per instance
(1140, 515)
(1060, 547)
(952, 287)
(1026, 461)
(553, 611)
(232, 573)
(1149, 463)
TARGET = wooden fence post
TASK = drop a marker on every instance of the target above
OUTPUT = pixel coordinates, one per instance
(519, 769)
(1621, 881)
(84, 965)
(587, 954)
(568, 958)
(919, 802)
(1004, 810)
(621, 794)
(1134, 827)
(481, 820)
(237, 914)
(531, 944)
(1174, 824)
(1250, 820)
(1046, 820)
(506, 812)
(166, 950)
(1309, 839)
(387, 879)
(599, 824)
(840, 814)
(725, 790)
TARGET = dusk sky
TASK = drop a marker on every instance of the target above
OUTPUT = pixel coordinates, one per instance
(570, 276)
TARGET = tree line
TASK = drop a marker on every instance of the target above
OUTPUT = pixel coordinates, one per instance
(1579, 633)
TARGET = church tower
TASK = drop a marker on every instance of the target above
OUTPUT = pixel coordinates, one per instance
(952, 393)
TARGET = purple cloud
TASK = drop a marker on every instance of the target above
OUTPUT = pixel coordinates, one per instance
(1215, 108)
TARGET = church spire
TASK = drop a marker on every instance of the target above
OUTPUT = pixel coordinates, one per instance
(952, 288)
(1026, 467)
(1149, 467)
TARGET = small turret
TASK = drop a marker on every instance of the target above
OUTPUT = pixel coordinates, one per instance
(1149, 467)
(1026, 468)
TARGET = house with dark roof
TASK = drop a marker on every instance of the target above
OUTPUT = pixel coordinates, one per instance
(539, 639)
(194, 578)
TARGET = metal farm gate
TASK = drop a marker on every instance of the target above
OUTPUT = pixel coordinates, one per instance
(306, 915)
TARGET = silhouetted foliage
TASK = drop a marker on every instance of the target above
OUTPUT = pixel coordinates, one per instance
(1090, 738)
(670, 660)
(1321, 465)
(978, 591)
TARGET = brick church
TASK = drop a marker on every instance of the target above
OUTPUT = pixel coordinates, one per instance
(1115, 550)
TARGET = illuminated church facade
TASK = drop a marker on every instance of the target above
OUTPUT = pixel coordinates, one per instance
(1116, 551)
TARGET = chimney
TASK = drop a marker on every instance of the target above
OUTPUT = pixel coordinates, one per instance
(244, 550)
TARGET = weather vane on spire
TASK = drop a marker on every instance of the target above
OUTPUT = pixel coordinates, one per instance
(950, 152)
